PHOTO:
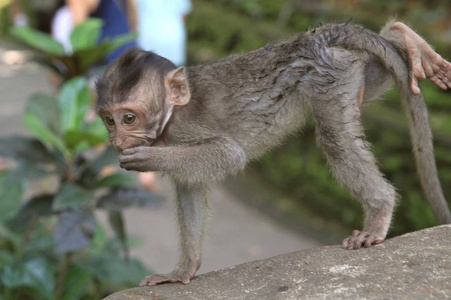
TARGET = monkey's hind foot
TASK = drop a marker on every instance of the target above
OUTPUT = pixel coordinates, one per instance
(166, 278)
(361, 238)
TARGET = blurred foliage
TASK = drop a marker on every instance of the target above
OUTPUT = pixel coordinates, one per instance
(79, 261)
(298, 169)
(85, 52)
(38, 13)
(51, 245)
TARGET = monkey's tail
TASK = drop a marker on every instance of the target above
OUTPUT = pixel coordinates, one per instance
(423, 149)
(359, 38)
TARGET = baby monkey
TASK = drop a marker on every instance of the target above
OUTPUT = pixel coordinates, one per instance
(201, 123)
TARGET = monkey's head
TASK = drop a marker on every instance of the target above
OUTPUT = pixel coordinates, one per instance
(136, 96)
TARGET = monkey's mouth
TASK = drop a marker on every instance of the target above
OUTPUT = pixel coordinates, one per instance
(131, 142)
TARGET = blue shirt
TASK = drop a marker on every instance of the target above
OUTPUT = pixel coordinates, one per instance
(114, 15)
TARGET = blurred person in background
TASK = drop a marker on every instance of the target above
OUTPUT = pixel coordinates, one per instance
(118, 17)
(18, 17)
(161, 28)
(62, 25)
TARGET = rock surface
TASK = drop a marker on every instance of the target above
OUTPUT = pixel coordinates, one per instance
(413, 266)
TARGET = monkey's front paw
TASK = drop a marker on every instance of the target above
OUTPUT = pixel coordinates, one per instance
(361, 238)
(171, 277)
(141, 159)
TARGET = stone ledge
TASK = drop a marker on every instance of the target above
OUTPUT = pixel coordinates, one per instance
(412, 266)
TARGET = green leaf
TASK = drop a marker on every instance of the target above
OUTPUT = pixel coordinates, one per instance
(39, 128)
(114, 271)
(75, 139)
(98, 129)
(35, 273)
(86, 34)
(54, 64)
(74, 230)
(34, 159)
(42, 119)
(10, 197)
(99, 242)
(71, 196)
(36, 126)
(36, 207)
(93, 134)
(45, 107)
(11, 242)
(82, 146)
(119, 41)
(88, 57)
(5, 259)
(76, 284)
(38, 40)
(118, 225)
(26, 149)
(74, 103)
(118, 179)
(86, 177)
(122, 197)
(88, 170)
(39, 243)
(28, 171)
(108, 157)
(91, 56)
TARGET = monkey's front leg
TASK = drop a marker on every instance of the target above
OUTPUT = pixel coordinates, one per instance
(187, 163)
(193, 215)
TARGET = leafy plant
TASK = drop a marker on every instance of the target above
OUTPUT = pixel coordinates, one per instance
(86, 51)
(51, 245)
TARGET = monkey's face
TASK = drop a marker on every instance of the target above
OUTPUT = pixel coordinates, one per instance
(136, 114)
(131, 126)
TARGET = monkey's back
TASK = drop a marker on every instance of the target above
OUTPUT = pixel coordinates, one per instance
(253, 96)
(260, 97)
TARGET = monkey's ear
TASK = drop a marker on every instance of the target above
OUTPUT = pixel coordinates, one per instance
(177, 88)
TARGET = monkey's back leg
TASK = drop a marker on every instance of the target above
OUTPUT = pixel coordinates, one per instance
(340, 134)
(378, 81)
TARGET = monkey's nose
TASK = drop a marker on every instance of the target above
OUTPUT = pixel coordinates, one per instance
(119, 149)
(119, 145)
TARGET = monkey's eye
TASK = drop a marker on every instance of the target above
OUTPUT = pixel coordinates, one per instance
(109, 121)
(129, 119)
